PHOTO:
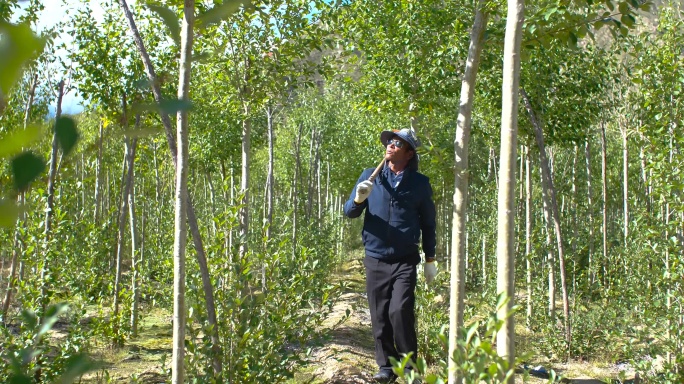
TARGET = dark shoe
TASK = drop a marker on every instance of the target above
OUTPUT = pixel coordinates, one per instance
(385, 377)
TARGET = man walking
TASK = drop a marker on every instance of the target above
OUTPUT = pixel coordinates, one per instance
(399, 208)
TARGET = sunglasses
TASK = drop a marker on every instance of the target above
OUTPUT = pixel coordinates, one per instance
(396, 142)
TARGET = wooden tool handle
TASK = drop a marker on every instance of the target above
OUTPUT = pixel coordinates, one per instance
(377, 170)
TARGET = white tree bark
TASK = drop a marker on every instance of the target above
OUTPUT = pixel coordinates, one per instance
(121, 222)
(135, 247)
(244, 180)
(49, 211)
(528, 235)
(270, 177)
(625, 184)
(98, 175)
(590, 212)
(458, 239)
(181, 203)
(505, 245)
(52, 174)
(604, 187)
(550, 191)
(192, 218)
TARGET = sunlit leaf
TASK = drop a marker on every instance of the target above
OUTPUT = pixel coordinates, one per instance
(13, 143)
(67, 135)
(25, 168)
(169, 18)
(18, 44)
(220, 12)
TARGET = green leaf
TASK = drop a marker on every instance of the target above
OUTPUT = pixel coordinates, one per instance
(220, 12)
(67, 135)
(8, 213)
(18, 45)
(13, 143)
(550, 12)
(623, 8)
(628, 20)
(169, 107)
(25, 168)
(51, 316)
(144, 132)
(77, 366)
(169, 18)
(173, 106)
(20, 379)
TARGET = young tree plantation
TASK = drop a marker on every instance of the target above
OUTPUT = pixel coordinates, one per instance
(186, 225)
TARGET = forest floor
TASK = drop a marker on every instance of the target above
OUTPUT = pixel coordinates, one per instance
(344, 357)
(348, 356)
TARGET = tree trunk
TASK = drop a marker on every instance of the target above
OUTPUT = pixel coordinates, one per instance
(243, 214)
(604, 182)
(295, 186)
(505, 282)
(192, 219)
(575, 224)
(244, 183)
(461, 142)
(270, 176)
(625, 184)
(528, 235)
(644, 180)
(590, 213)
(98, 176)
(668, 299)
(310, 183)
(484, 260)
(181, 203)
(126, 192)
(135, 247)
(49, 211)
(550, 192)
(550, 265)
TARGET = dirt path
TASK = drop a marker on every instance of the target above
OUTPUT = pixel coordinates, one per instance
(347, 357)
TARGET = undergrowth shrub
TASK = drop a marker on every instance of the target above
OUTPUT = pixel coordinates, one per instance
(270, 306)
(475, 356)
(29, 355)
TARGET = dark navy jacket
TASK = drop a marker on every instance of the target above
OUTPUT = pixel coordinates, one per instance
(395, 218)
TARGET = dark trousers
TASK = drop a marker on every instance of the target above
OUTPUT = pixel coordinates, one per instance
(391, 299)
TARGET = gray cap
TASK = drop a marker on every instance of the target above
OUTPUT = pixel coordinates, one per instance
(407, 134)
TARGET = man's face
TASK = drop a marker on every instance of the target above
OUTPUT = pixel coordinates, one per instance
(398, 150)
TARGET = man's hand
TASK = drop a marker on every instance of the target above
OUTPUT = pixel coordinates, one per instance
(430, 271)
(362, 191)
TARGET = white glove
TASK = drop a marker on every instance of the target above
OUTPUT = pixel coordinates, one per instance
(430, 271)
(362, 191)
